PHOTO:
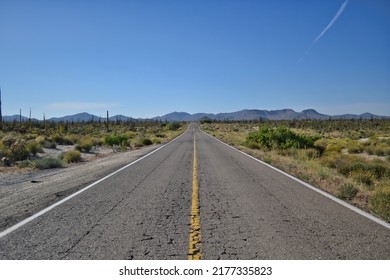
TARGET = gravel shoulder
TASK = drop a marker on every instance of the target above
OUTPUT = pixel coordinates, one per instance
(25, 192)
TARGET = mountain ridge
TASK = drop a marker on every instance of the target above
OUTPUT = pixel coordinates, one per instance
(246, 114)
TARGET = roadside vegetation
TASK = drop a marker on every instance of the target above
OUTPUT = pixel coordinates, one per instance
(347, 158)
(33, 144)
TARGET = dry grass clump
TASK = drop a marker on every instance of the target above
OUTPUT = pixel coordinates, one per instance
(72, 156)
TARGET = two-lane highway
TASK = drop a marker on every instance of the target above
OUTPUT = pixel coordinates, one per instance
(244, 210)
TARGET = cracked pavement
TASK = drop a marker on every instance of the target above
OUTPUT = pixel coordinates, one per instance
(247, 211)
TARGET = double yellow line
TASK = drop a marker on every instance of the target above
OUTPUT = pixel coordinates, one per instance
(195, 236)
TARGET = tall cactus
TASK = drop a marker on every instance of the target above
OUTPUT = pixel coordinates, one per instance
(44, 121)
(107, 122)
(29, 120)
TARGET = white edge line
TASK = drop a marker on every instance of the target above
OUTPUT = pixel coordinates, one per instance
(40, 213)
(335, 199)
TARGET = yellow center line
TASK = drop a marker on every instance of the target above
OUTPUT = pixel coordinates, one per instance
(195, 237)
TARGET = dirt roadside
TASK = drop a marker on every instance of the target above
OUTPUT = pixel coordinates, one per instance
(23, 193)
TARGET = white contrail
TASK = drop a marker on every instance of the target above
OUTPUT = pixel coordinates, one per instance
(337, 15)
(339, 12)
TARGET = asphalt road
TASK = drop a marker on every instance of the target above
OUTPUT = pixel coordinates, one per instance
(246, 210)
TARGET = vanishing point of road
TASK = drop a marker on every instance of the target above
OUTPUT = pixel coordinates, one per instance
(197, 198)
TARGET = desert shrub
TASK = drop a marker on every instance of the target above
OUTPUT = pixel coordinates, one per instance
(347, 192)
(98, 141)
(59, 139)
(160, 135)
(364, 177)
(251, 144)
(85, 144)
(380, 169)
(347, 166)
(205, 120)
(115, 139)
(138, 144)
(33, 147)
(308, 154)
(379, 151)
(156, 141)
(5, 151)
(72, 156)
(8, 141)
(40, 140)
(380, 204)
(69, 139)
(323, 173)
(47, 163)
(50, 145)
(130, 134)
(267, 159)
(369, 150)
(173, 126)
(280, 137)
(355, 149)
(26, 164)
(146, 141)
(19, 151)
(320, 145)
(333, 148)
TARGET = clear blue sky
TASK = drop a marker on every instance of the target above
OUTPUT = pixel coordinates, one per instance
(147, 58)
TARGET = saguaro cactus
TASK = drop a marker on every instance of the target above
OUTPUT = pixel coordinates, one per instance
(107, 124)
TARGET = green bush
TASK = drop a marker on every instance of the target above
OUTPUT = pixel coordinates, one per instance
(309, 154)
(364, 177)
(19, 151)
(380, 169)
(59, 139)
(85, 144)
(333, 148)
(173, 126)
(40, 140)
(321, 145)
(251, 145)
(380, 204)
(33, 147)
(5, 151)
(347, 192)
(280, 137)
(355, 149)
(72, 156)
(8, 141)
(346, 166)
(115, 139)
(47, 163)
(267, 159)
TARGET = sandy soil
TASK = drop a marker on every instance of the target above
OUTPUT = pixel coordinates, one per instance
(24, 192)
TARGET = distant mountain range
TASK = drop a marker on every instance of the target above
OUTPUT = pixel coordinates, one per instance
(284, 114)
